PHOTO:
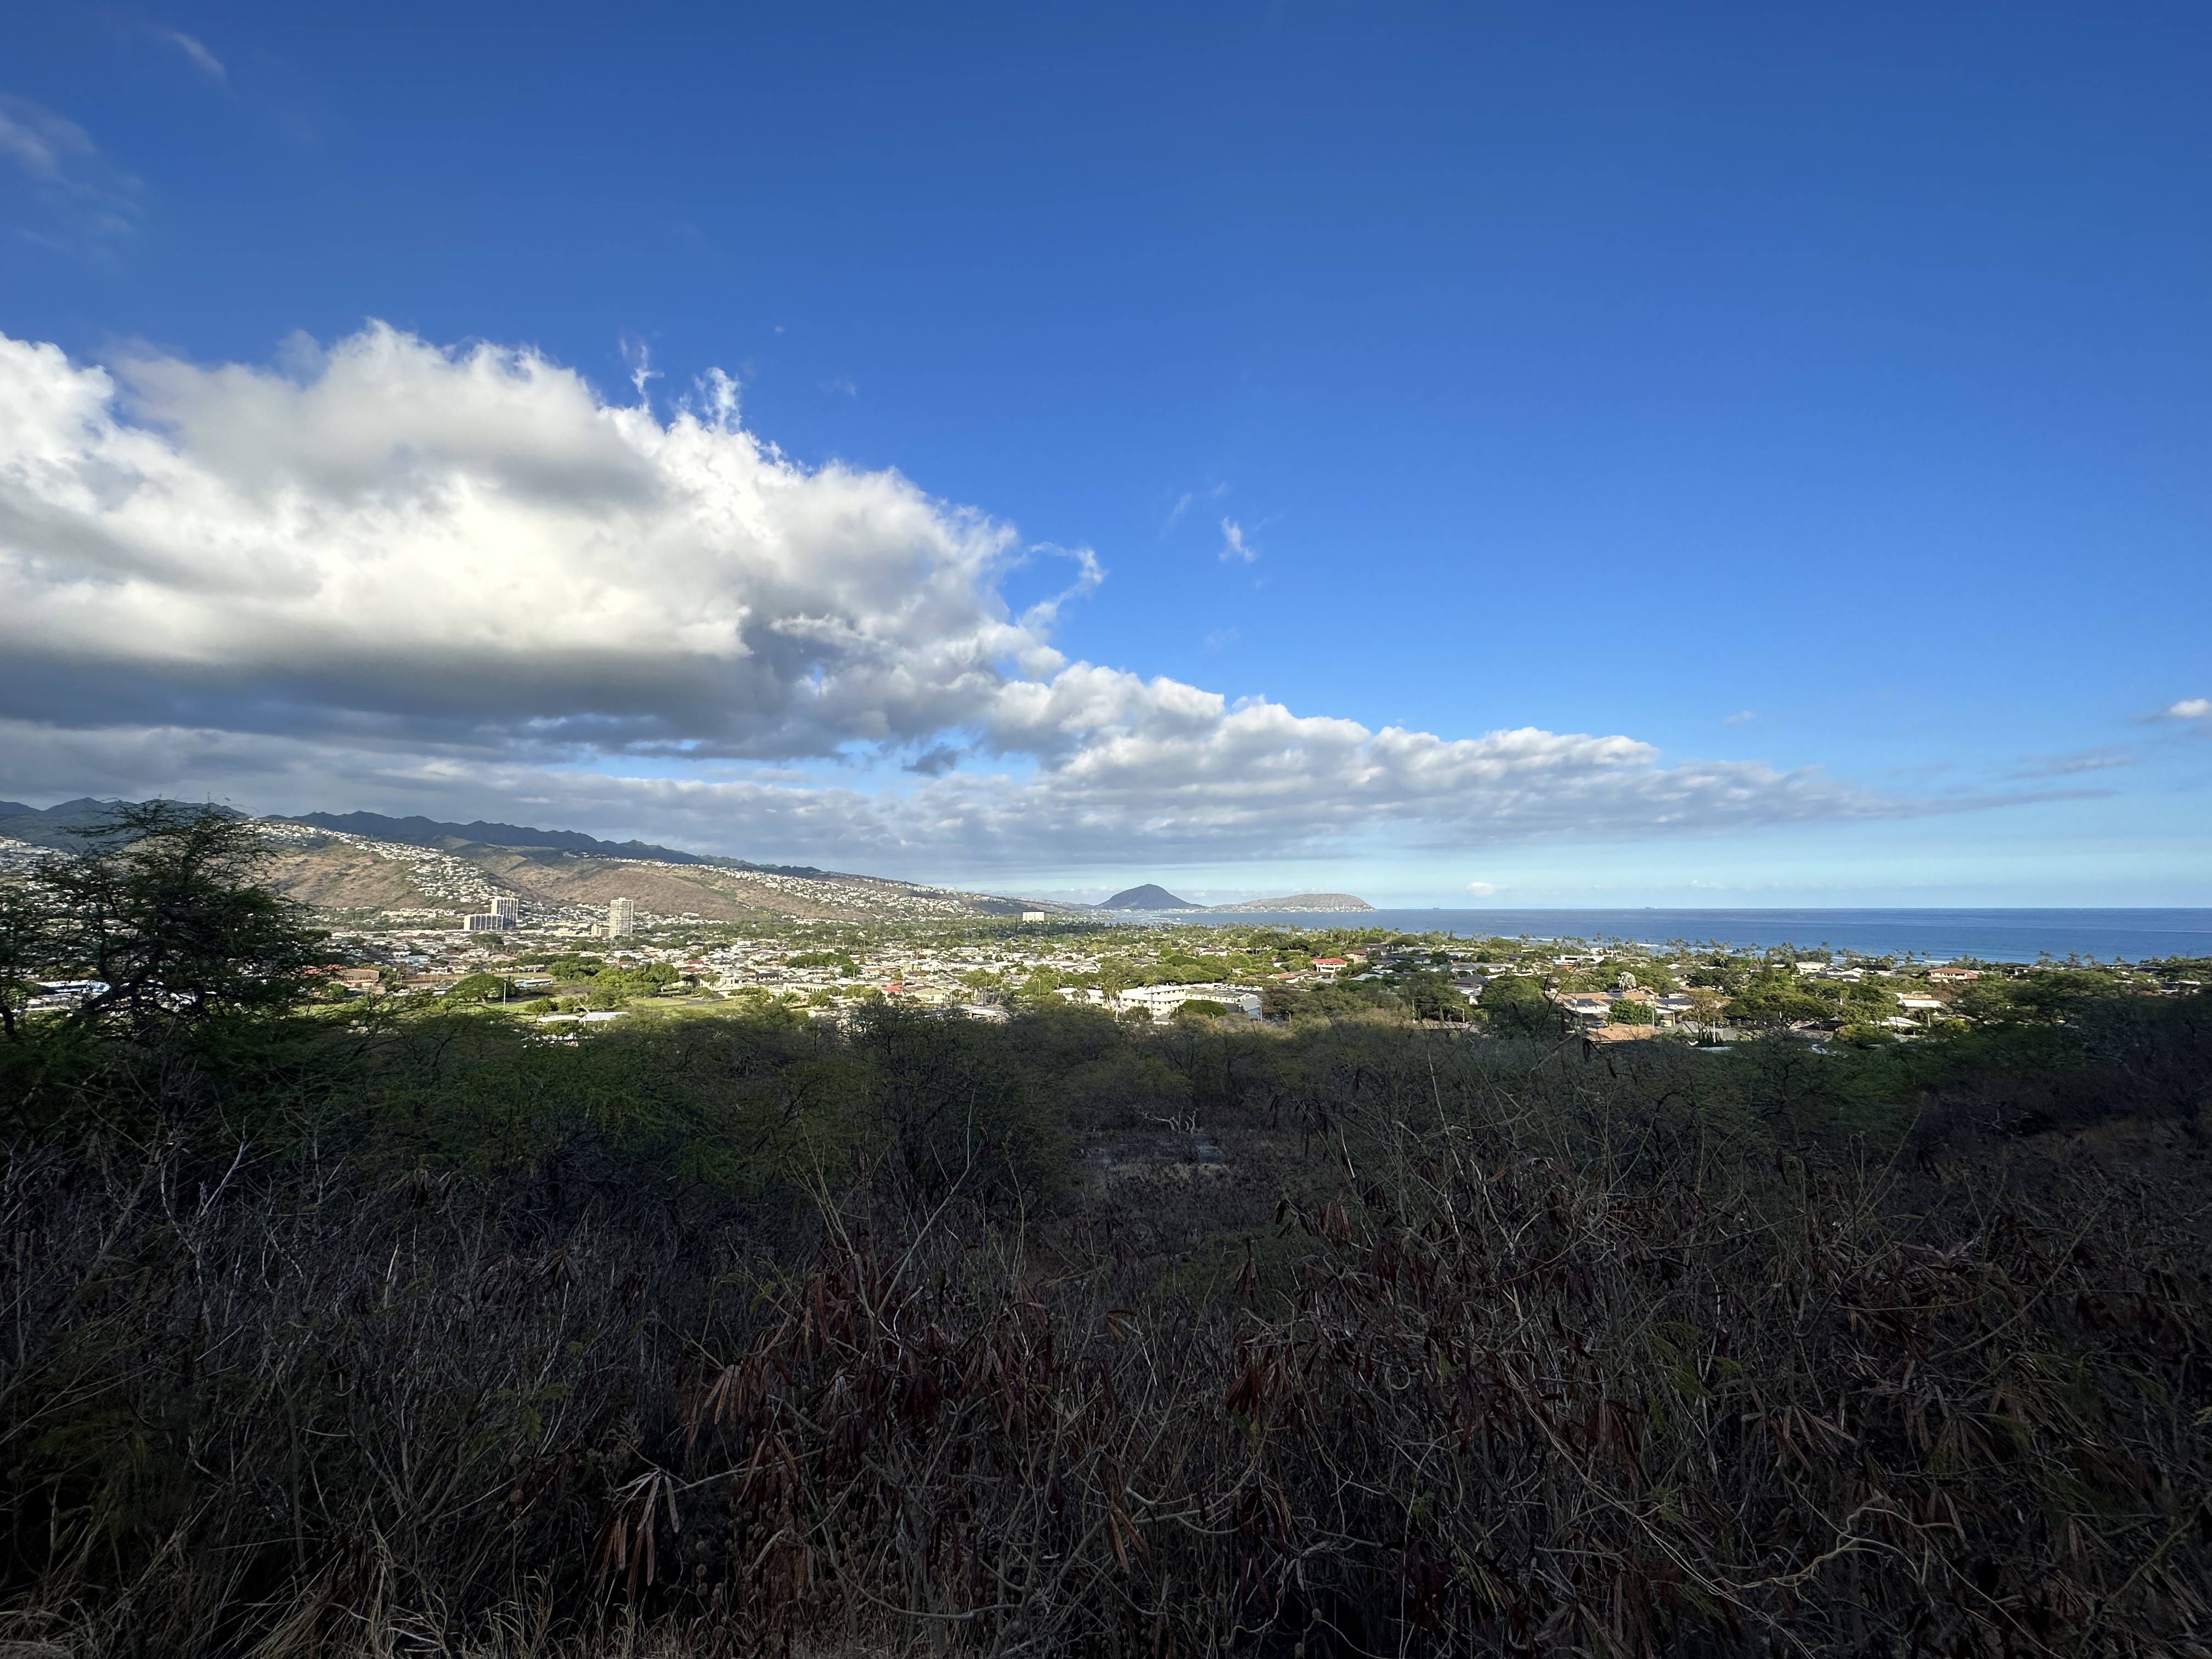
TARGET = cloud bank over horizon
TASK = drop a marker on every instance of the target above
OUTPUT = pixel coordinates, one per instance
(462, 583)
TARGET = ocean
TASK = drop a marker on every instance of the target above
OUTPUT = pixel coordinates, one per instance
(2007, 935)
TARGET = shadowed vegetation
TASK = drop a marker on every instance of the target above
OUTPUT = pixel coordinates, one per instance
(364, 1328)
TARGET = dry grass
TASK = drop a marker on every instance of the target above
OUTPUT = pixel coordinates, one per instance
(1517, 1408)
(1468, 1391)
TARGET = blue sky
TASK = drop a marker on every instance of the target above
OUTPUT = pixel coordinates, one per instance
(1817, 400)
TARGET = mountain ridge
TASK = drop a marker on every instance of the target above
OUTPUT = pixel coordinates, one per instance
(502, 851)
(418, 831)
(366, 862)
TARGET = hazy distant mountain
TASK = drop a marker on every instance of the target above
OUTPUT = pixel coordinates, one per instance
(520, 858)
(1151, 897)
(57, 826)
(429, 832)
(343, 862)
(1325, 903)
(1148, 897)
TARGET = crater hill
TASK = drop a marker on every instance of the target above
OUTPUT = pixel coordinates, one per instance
(1152, 897)
(1148, 897)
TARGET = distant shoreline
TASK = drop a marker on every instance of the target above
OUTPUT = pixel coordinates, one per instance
(1993, 933)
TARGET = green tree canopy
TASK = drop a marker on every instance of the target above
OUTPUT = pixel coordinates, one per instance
(161, 908)
(1517, 1006)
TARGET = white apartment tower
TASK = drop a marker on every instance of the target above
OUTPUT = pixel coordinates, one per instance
(507, 905)
(622, 919)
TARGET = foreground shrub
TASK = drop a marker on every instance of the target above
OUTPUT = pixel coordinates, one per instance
(1474, 1398)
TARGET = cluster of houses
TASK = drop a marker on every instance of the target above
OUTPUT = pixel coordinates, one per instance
(1698, 1012)
(1162, 1002)
(1593, 1010)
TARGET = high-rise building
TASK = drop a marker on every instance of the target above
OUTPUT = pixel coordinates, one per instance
(622, 919)
(489, 921)
(507, 905)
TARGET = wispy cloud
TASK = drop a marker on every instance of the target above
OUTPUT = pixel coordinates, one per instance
(1483, 889)
(1221, 637)
(1739, 717)
(2106, 758)
(1234, 544)
(41, 144)
(197, 54)
(1189, 499)
(75, 200)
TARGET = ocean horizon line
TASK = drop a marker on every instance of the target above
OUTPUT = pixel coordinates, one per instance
(1987, 932)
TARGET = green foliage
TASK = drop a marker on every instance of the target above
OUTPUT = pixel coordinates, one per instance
(960, 1112)
(1042, 986)
(1868, 998)
(27, 949)
(1774, 997)
(1516, 1005)
(1427, 995)
(1331, 999)
(161, 908)
(479, 988)
(605, 986)
(1625, 1012)
(1202, 1008)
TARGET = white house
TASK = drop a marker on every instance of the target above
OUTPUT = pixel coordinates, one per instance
(1162, 1000)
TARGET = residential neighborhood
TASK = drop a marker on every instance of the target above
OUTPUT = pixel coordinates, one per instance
(569, 968)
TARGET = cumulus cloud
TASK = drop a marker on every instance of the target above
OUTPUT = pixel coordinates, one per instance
(395, 575)
(2190, 709)
(1121, 788)
(473, 547)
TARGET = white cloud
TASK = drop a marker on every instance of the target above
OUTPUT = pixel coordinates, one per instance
(2191, 708)
(1743, 716)
(1482, 889)
(473, 547)
(1233, 544)
(462, 583)
(1245, 783)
